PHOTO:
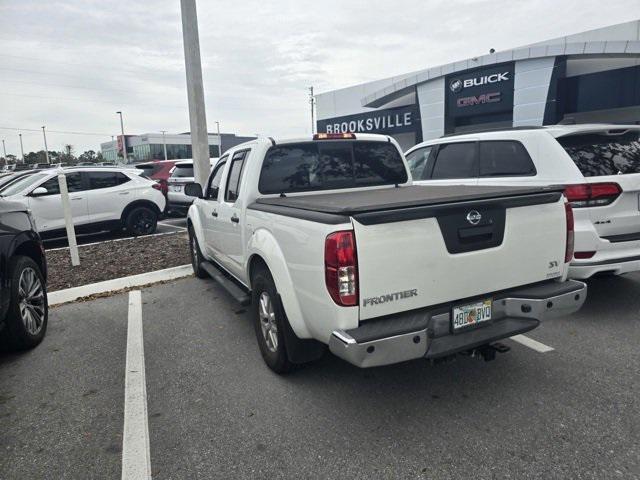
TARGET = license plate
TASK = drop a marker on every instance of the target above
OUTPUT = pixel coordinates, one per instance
(176, 188)
(471, 314)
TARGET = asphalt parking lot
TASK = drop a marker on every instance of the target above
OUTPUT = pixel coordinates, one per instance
(166, 225)
(216, 411)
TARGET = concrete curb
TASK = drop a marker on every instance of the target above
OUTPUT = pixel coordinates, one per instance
(71, 294)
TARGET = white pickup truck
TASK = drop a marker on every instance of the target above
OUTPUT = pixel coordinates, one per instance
(331, 244)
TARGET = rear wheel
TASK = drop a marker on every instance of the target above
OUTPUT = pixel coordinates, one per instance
(268, 319)
(28, 309)
(196, 255)
(141, 221)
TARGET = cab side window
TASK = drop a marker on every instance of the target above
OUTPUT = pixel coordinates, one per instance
(232, 191)
(417, 161)
(213, 185)
(505, 158)
(74, 184)
(456, 160)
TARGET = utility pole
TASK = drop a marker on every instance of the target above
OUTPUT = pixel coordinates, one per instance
(195, 92)
(46, 149)
(124, 139)
(21, 147)
(219, 139)
(312, 101)
(164, 144)
(4, 149)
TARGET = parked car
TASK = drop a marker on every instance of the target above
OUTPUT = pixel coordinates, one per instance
(160, 171)
(599, 165)
(14, 177)
(332, 245)
(102, 198)
(23, 277)
(181, 174)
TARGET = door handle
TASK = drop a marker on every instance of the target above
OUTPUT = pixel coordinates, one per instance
(123, 193)
(76, 198)
(214, 213)
(235, 219)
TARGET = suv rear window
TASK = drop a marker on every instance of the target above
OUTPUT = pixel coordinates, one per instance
(183, 171)
(597, 154)
(330, 165)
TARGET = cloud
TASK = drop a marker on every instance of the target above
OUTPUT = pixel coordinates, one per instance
(71, 64)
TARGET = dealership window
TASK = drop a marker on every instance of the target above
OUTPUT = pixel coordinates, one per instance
(417, 161)
(455, 160)
(505, 159)
(599, 154)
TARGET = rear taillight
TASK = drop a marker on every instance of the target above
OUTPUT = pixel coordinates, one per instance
(341, 268)
(592, 194)
(583, 255)
(568, 252)
(157, 186)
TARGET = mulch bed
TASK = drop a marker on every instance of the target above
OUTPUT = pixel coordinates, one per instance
(114, 259)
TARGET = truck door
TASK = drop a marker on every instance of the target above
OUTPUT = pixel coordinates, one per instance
(231, 216)
(209, 207)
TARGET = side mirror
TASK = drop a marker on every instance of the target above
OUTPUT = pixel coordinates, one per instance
(193, 190)
(39, 191)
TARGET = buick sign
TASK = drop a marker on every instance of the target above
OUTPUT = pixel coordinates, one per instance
(455, 85)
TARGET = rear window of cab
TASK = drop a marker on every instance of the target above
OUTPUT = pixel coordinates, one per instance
(330, 165)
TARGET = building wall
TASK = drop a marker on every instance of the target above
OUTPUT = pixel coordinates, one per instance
(431, 98)
(530, 90)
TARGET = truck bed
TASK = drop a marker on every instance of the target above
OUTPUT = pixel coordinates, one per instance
(385, 205)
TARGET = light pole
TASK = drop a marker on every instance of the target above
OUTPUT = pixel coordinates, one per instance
(164, 144)
(46, 149)
(219, 139)
(124, 140)
(312, 101)
(4, 149)
(21, 147)
(195, 92)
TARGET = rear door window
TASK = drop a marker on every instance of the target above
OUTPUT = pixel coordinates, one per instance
(330, 165)
(456, 160)
(597, 154)
(505, 159)
(106, 179)
(235, 174)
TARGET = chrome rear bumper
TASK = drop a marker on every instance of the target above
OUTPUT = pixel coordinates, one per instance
(428, 333)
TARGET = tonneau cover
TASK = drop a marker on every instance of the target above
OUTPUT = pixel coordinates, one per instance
(375, 200)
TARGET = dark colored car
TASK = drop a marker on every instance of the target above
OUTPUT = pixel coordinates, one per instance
(159, 170)
(23, 279)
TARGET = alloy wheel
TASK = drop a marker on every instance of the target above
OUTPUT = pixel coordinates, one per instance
(31, 300)
(268, 322)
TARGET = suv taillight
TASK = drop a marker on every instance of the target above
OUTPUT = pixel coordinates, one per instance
(568, 252)
(341, 268)
(592, 194)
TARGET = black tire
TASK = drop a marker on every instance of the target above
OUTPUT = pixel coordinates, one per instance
(141, 221)
(16, 334)
(275, 358)
(196, 255)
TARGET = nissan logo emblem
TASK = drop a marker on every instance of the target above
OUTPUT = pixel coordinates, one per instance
(455, 85)
(474, 217)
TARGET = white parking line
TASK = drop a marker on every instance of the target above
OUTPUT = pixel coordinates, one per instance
(532, 344)
(136, 457)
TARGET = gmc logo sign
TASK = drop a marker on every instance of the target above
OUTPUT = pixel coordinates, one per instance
(478, 99)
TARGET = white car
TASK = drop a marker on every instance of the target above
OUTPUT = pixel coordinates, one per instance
(102, 198)
(181, 174)
(599, 165)
(332, 245)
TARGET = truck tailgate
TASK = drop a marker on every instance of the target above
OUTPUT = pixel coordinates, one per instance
(456, 251)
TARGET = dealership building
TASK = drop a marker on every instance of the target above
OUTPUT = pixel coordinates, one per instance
(593, 76)
(150, 146)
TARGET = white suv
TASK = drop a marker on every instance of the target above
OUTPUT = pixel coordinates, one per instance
(102, 198)
(181, 174)
(598, 164)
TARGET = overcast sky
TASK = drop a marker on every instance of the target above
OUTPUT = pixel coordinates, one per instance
(70, 65)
